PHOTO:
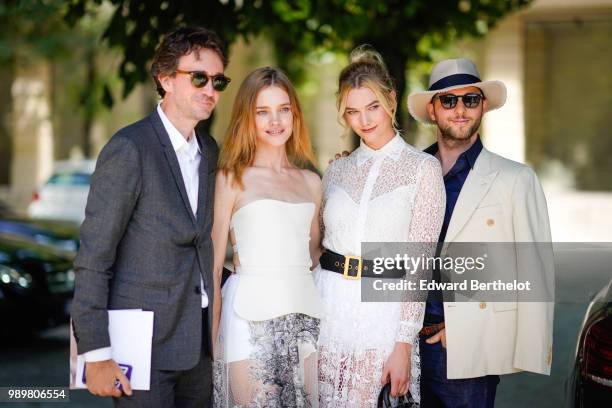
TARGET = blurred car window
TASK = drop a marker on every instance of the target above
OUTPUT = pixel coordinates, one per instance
(75, 179)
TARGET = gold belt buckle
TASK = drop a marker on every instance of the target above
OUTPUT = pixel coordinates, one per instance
(347, 266)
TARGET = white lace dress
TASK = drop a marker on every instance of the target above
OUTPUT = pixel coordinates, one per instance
(394, 194)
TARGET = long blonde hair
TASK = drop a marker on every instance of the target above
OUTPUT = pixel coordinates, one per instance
(239, 146)
(367, 70)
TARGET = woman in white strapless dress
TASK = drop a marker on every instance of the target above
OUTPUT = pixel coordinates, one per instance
(267, 324)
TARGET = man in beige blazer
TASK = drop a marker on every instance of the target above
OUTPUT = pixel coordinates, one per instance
(465, 346)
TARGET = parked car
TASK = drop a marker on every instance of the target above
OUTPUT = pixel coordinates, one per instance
(63, 235)
(64, 195)
(36, 284)
(590, 384)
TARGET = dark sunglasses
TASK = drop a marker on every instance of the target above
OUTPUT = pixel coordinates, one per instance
(199, 79)
(470, 100)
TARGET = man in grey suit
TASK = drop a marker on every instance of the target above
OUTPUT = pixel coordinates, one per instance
(145, 241)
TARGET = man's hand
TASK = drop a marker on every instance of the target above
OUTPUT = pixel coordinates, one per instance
(101, 376)
(439, 336)
(397, 369)
(338, 155)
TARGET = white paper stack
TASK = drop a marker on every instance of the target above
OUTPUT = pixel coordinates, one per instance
(131, 335)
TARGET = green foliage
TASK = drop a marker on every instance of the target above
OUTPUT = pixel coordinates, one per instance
(32, 31)
(403, 30)
(30, 28)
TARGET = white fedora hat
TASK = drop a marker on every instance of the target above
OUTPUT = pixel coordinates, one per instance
(452, 74)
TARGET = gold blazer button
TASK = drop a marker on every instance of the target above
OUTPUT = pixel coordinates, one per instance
(490, 222)
(483, 305)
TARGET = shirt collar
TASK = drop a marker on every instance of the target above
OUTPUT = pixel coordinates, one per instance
(470, 155)
(393, 149)
(176, 138)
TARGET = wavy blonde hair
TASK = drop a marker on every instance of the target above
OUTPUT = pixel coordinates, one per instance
(367, 69)
(240, 142)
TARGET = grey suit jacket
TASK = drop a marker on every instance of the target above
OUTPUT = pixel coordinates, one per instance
(142, 247)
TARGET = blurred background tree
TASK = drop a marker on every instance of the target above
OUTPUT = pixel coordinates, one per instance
(404, 31)
(28, 30)
(33, 31)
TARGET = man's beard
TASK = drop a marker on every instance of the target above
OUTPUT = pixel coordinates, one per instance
(454, 136)
(204, 112)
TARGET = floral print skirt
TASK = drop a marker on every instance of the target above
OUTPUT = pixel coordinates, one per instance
(270, 363)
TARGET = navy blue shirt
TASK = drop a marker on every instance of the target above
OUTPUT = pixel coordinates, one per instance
(453, 182)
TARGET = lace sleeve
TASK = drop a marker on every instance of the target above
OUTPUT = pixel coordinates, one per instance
(329, 178)
(428, 215)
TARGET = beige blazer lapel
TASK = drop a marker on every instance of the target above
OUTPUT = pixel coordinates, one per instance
(476, 185)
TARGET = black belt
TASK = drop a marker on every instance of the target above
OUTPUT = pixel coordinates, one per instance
(355, 267)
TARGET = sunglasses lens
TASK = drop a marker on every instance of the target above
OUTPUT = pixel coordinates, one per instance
(199, 79)
(471, 100)
(448, 101)
(220, 82)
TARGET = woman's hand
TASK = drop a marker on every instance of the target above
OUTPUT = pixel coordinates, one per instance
(397, 369)
(338, 155)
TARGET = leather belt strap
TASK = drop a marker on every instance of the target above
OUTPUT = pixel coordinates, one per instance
(431, 329)
(355, 267)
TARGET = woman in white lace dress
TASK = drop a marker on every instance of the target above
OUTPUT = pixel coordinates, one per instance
(385, 191)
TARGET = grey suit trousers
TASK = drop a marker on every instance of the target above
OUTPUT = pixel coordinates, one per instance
(182, 389)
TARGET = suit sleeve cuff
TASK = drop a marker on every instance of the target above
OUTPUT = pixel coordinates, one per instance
(100, 354)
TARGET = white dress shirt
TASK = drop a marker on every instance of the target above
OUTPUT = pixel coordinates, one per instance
(189, 155)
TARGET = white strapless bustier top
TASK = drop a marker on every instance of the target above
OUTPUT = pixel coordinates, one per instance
(272, 242)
